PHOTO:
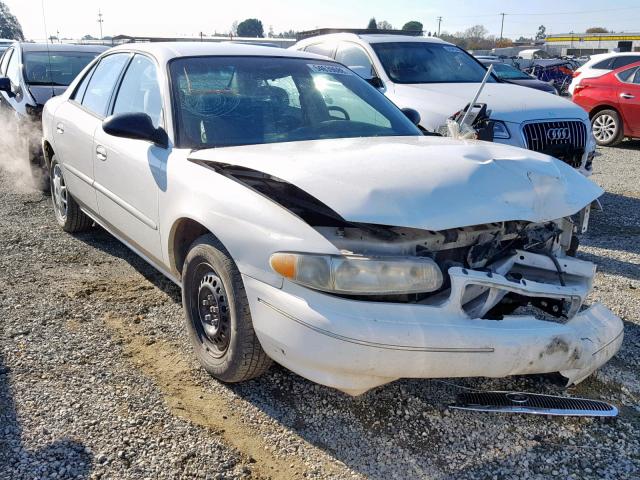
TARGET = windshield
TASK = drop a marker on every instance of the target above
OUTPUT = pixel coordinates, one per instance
(227, 101)
(54, 68)
(427, 62)
(507, 72)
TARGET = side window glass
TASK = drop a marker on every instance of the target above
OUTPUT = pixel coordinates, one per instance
(82, 88)
(284, 91)
(13, 69)
(139, 90)
(5, 60)
(102, 83)
(604, 64)
(325, 49)
(626, 75)
(355, 58)
(626, 60)
(636, 76)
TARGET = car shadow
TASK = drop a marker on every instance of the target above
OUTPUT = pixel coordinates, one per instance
(631, 144)
(63, 458)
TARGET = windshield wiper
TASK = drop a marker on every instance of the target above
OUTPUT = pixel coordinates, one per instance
(47, 84)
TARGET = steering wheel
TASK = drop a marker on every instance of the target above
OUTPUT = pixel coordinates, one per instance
(339, 110)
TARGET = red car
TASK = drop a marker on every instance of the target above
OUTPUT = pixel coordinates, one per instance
(613, 103)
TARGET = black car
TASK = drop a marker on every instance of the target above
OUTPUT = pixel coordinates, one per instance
(30, 74)
(510, 74)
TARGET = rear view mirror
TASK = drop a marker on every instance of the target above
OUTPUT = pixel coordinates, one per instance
(412, 115)
(5, 85)
(137, 126)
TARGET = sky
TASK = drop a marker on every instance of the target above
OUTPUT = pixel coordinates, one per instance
(76, 18)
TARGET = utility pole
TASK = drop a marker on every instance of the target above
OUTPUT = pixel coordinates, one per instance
(439, 22)
(100, 21)
(502, 26)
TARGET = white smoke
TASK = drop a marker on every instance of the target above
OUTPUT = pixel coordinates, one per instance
(14, 153)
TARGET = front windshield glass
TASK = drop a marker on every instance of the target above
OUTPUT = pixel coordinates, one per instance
(54, 68)
(507, 72)
(428, 62)
(227, 101)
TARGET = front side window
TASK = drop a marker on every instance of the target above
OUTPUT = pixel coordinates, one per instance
(355, 58)
(98, 93)
(54, 68)
(139, 91)
(426, 62)
(228, 101)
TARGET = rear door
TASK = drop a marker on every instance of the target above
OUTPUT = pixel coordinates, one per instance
(629, 100)
(76, 121)
(130, 173)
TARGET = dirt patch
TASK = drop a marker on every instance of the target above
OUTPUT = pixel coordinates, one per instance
(168, 368)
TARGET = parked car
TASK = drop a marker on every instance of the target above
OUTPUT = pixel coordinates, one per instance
(30, 74)
(309, 222)
(510, 74)
(601, 64)
(4, 44)
(438, 79)
(613, 103)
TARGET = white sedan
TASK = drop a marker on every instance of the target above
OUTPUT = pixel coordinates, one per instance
(309, 222)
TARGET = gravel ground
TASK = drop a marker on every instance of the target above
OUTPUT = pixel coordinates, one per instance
(97, 379)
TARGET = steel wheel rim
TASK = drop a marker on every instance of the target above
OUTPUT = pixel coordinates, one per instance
(604, 128)
(210, 311)
(59, 193)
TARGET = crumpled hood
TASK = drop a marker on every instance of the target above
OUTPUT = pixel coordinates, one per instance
(509, 103)
(421, 182)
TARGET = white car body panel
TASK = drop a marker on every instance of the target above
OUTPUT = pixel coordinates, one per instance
(144, 193)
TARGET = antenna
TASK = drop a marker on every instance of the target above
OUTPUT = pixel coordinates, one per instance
(46, 36)
(100, 22)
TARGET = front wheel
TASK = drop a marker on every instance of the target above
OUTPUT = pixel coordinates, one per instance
(607, 128)
(218, 317)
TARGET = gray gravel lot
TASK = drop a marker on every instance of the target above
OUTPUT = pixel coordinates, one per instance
(97, 379)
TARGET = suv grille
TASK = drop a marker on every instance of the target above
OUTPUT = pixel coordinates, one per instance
(565, 140)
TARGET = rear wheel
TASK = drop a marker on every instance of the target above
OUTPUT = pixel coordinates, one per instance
(218, 317)
(68, 213)
(607, 128)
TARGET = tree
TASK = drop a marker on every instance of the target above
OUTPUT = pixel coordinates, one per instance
(234, 28)
(504, 42)
(412, 26)
(251, 27)
(88, 37)
(384, 25)
(372, 24)
(597, 30)
(9, 26)
(524, 40)
(542, 33)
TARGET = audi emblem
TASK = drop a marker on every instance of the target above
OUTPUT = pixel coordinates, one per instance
(558, 134)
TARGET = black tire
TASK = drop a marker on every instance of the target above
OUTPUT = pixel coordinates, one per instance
(218, 317)
(607, 128)
(68, 214)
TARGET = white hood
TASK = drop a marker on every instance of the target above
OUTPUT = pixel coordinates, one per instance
(510, 103)
(421, 182)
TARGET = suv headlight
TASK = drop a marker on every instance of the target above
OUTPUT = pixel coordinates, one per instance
(500, 130)
(359, 275)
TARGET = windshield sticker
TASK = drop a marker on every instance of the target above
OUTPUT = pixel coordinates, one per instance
(332, 69)
(451, 49)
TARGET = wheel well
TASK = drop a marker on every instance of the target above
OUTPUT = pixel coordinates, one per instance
(48, 152)
(600, 108)
(184, 232)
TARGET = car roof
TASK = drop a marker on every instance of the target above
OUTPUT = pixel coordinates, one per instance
(369, 38)
(60, 47)
(166, 51)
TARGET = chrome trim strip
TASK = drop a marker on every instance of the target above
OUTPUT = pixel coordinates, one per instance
(132, 210)
(374, 344)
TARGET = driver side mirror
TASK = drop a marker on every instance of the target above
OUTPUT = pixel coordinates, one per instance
(137, 126)
(5, 86)
(412, 115)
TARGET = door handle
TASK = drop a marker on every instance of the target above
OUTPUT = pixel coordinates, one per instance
(60, 128)
(628, 96)
(101, 153)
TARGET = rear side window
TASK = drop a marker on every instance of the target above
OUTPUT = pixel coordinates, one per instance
(325, 49)
(102, 83)
(139, 91)
(626, 75)
(82, 88)
(604, 64)
(624, 61)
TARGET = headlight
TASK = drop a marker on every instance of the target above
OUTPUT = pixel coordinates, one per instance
(359, 275)
(500, 130)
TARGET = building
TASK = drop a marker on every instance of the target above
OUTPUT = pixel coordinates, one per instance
(591, 43)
